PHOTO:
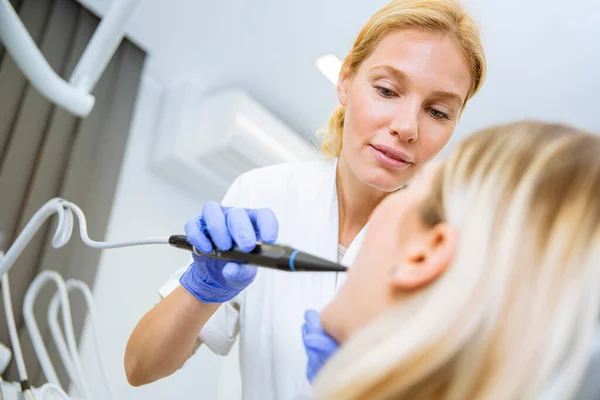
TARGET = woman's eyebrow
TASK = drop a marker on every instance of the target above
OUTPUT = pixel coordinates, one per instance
(395, 72)
(400, 75)
(454, 97)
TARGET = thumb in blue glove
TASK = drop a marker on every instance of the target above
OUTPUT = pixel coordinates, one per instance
(217, 281)
(318, 344)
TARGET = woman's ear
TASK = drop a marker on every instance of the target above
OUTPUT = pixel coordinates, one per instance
(342, 86)
(425, 258)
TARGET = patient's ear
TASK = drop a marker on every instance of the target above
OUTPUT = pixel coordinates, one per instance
(425, 258)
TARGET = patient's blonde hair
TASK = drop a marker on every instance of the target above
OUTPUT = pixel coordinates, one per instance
(444, 16)
(513, 316)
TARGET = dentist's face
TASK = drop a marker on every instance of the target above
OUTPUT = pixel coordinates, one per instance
(402, 106)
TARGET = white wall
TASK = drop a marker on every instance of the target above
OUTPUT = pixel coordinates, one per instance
(542, 54)
(542, 61)
(127, 280)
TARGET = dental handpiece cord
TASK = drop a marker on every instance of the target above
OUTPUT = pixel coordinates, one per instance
(64, 211)
(264, 255)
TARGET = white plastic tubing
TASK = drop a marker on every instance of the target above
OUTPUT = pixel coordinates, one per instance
(75, 96)
(73, 365)
(64, 228)
(67, 348)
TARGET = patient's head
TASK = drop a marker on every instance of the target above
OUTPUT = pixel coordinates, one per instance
(480, 280)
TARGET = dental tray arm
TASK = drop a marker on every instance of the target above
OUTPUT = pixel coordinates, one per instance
(74, 96)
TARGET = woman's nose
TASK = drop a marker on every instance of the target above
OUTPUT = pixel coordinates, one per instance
(405, 122)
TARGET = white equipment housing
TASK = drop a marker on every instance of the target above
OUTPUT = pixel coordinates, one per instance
(204, 141)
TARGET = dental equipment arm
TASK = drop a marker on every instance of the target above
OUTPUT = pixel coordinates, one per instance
(73, 96)
(36, 338)
(103, 44)
(59, 340)
(64, 211)
(25, 389)
(14, 337)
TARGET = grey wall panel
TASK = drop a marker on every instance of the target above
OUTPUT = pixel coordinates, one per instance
(34, 14)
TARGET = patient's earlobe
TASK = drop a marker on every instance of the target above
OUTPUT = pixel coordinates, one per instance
(426, 258)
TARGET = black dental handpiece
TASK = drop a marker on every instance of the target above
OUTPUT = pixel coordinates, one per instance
(265, 255)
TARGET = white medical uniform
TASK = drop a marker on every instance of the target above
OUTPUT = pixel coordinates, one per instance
(269, 314)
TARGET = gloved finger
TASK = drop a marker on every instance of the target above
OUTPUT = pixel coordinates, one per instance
(312, 320)
(195, 235)
(241, 229)
(311, 371)
(265, 224)
(216, 226)
(318, 343)
(239, 276)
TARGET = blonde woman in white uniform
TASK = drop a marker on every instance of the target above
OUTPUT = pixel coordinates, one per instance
(402, 90)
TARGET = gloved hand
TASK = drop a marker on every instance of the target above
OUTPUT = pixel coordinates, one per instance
(216, 281)
(318, 344)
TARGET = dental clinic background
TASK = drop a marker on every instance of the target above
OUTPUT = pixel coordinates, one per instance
(543, 63)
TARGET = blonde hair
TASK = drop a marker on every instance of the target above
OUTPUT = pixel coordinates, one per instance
(444, 16)
(513, 316)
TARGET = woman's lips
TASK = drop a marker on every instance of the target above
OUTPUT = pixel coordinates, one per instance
(391, 157)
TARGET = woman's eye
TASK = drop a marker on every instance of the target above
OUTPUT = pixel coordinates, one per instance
(385, 92)
(438, 114)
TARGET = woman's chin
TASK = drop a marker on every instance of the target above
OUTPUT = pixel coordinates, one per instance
(386, 184)
(383, 179)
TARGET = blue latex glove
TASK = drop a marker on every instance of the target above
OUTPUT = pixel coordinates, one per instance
(217, 281)
(318, 344)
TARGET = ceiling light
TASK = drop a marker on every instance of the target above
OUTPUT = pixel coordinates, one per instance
(330, 66)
